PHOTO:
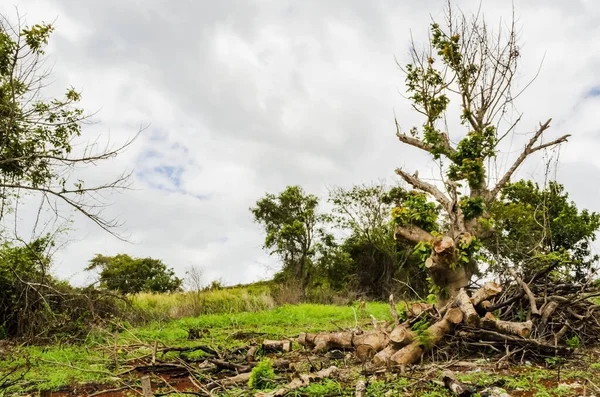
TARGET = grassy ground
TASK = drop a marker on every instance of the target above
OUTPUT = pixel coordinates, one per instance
(57, 367)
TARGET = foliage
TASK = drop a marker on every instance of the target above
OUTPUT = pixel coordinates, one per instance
(541, 225)
(293, 227)
(414, 208)
(262, 376)
(132, 275)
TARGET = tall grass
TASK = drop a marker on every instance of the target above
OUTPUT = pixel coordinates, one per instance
(192, 304)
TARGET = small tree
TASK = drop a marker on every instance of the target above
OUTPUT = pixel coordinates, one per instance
(463, 61)
(133, 275)
(293, 228)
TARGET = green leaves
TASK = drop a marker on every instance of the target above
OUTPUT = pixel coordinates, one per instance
(416, 210)
(37, 36)
(33, 131)
(132, 275)
(541, 225)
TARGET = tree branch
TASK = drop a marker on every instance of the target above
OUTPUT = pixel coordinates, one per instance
(426, 187)
(418, 143)
(529, 149)
(412, 233)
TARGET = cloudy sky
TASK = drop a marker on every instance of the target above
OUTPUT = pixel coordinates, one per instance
(246, 97)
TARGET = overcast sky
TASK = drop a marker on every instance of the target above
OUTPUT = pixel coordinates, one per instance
(247, 97)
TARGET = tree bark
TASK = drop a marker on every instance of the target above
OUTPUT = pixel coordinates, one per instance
(412, 353)
(440, 263)
(277, 345)
(521, 329)
(471, 317)
(484, 293)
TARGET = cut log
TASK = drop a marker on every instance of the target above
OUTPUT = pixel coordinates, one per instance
(484, 293)
(250, 355)
(231, 381)
(326, 341)
(522, 329)
(412, 353)
(456, 387)
(416, 309)
(401, 336)
(377, 340)
(471, 318)
(383, 357)
(277, 345)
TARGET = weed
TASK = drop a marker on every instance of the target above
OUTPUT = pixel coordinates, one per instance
(262, 376)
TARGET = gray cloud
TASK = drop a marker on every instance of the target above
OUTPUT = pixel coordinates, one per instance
(248, 97)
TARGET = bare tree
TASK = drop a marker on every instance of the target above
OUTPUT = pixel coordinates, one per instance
(194, 278)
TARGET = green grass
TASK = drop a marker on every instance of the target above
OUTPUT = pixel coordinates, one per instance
(56, 366)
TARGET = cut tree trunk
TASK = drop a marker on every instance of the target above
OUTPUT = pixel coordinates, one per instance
(443, 255)
(324, 341)
(401, 335)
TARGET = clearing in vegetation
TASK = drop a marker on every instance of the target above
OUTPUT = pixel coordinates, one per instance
(238, 355)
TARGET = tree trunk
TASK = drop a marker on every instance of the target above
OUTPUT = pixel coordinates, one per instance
(441, 263)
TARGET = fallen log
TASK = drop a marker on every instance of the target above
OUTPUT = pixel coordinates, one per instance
(324, 341)
(383, 357)
(231, 381)
(416, 309)
(401, 336)
(377, 340)
(522, 329)
(412, 352)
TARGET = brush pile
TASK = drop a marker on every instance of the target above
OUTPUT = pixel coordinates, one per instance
(532, 320)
